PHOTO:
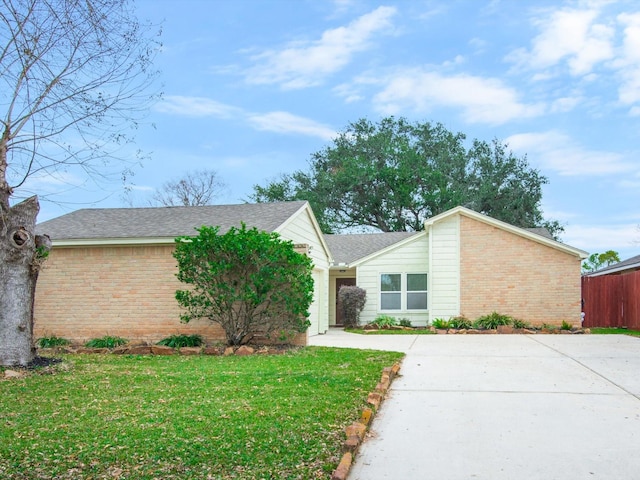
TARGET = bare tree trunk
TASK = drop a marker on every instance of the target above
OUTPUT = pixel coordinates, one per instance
(21, 255)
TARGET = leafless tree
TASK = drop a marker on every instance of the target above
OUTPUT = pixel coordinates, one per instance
(200, 187)
(75, 79)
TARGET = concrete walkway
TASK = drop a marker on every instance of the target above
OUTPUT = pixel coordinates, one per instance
(564, 407)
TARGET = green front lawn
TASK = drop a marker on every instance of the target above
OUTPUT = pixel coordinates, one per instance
(205, 417)
(617, 331)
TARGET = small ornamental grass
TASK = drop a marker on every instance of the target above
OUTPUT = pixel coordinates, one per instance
(106, 342)
(186, 417)
(384, 321)
(181, 340)
(460, 323)
(517, 323)
(492, 321)
(441, 324)
(52, 342)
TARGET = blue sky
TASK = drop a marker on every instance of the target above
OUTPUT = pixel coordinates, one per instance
(253, 87)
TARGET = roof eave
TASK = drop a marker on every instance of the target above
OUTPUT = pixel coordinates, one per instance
(105, 242)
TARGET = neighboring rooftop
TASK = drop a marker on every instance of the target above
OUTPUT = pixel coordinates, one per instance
(351, 247)
(628, 265)
(165, 222)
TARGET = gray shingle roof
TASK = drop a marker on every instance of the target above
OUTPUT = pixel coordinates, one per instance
(351, 247)
(162, 222)
(543, 232)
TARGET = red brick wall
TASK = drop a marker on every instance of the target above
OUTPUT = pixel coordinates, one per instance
(512, 275)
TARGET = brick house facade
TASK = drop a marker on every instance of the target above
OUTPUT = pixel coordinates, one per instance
(512, 274)
(111, 271)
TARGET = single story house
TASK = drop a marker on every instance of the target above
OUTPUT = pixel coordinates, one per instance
(111, 270)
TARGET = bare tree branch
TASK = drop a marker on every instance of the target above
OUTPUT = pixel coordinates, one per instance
(200, 187)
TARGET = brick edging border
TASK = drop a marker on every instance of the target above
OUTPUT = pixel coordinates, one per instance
(355, 432)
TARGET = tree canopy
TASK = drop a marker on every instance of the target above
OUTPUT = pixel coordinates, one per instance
(596, 261)
(394, 174)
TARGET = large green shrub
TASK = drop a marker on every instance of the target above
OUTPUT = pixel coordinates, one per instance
(252, 283)
(352, 299)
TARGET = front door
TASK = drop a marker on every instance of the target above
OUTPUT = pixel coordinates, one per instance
(339, 312)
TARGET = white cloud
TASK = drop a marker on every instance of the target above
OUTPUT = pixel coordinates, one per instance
(570, 35)
(279, 122)
(348, 92)
(305, 64)
(196, 107)
(598, 238)
(556, 151)
(284, 122)
(482, 100)
(629, 61)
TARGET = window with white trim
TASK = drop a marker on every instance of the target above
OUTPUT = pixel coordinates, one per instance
(403, 291)
(416, 291)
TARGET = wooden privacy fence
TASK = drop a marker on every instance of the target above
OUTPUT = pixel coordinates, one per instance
(612, 300)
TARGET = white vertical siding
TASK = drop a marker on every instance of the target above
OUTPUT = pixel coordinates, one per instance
(444, 278)
(300, 229)
(411, 257)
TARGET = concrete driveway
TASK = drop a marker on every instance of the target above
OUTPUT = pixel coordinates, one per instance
(504, 407)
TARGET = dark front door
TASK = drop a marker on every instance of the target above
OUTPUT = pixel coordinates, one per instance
(339, 283)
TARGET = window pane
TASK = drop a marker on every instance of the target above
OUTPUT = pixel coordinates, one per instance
(390, 301)
(417, 301)
(417, 282)
(390, 282)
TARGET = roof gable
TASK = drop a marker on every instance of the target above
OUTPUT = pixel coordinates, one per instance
(350, 249)
(145, 224)
(531, 234)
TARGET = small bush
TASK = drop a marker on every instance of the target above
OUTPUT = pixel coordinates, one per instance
(492, 321)
(352, 299)
(405, 322)
(179, 341)
(566, 325)
(460, 322)
(106, 342)
(520, 324)
(441, 324)
(548, 326)
(384, 321)
(52, 342)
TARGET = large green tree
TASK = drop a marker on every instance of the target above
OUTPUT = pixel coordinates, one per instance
(73, 83)
(394, 174)
(252, 283)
